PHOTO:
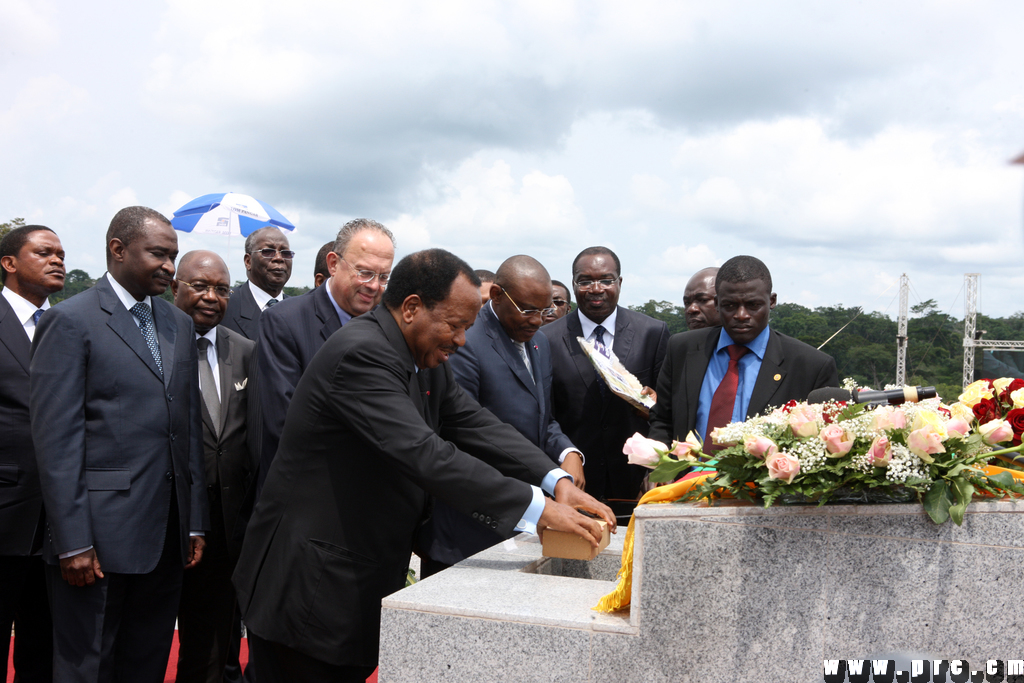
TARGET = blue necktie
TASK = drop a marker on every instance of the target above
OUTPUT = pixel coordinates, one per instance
(36, 316)
(145, 317)
(603, 350)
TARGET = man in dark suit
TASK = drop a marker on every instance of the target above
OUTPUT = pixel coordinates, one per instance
(118, 434)
(268, 264)
(506, 367)
(743, 366)
(206, 618)
(594, 418)
(292, 333)
(378, 423)
(31, 268)
(320, 270)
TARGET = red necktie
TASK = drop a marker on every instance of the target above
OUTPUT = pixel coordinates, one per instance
(725, 396)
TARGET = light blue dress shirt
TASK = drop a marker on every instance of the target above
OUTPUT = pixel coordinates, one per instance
(718, 365)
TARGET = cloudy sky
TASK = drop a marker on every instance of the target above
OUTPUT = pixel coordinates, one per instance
(842, 143)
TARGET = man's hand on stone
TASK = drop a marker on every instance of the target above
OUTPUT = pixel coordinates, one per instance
(567, 494)
(573, 464)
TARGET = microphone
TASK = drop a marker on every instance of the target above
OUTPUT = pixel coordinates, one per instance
(893, 397)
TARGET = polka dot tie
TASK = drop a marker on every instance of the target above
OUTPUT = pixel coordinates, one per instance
(36, 316)
(145, 317)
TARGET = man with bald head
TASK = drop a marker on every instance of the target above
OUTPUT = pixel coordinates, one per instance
(699, 300)
(206, 612)
(268, 264)
(506, 367)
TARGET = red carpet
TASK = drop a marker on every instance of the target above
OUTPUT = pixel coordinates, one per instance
(172, 665)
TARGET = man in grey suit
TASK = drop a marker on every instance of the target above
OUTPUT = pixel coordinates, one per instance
(206, 615)
(118, 434)
(506, 367)
(268, 263)
(31, 268)
(597, 420)
(759, 366)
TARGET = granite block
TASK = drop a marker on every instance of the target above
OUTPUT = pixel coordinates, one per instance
(418, 648)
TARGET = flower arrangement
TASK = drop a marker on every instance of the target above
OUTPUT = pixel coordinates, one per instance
(815, 452)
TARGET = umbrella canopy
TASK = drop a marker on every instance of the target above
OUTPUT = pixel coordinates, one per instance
(227, 213)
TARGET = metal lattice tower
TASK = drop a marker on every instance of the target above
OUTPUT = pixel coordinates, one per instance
(901, 333)
(970, 316)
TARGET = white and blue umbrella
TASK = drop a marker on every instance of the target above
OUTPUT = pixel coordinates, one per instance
(227, 213)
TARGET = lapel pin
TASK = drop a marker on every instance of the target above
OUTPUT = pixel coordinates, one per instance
(428, 393)
(778, 377)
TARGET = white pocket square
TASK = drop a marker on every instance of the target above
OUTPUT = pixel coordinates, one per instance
(241, 385)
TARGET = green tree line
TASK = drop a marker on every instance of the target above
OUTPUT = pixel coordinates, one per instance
(866, 349)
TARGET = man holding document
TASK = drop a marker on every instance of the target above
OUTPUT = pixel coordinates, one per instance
(376, 424)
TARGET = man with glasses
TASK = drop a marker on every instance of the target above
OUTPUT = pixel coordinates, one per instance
(290, 334)
(206, 614)
(268, 263)
(506, 367)
(595, 419)
(561, 302)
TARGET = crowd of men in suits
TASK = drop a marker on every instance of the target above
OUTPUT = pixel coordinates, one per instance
(242, 455)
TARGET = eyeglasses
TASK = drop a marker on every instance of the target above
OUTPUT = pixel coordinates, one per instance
(201, 288)
(529, 313)
(559, 302)
(366, 276)
(588, 284)
(269, 253)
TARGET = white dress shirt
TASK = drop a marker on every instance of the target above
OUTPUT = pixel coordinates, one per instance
(24, 310)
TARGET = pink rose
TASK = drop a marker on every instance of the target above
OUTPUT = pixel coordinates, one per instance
(957, 427)
(718, 438)
(783, 466)
(898, 419)
(837, 441)
(925, 442)
(684, 450)
(759, 446)
(803, 420)
(641, 451)
(887, 418)
(880, 451)
(995, 431)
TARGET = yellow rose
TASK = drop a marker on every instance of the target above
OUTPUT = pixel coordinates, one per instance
(1018, 398)
(975, 392)
(1001, 384)
(926, 418)
(965, 413)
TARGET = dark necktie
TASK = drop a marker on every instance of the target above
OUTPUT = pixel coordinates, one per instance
(526, 358)
(272, 302)
(603, 350)
(725, 396)
(208, 383)
(36, 316)
(145, 317)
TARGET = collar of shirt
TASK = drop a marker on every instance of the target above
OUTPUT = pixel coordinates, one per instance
(211, 334)
(757, 345)
(261, 297)
(343, 315)
(24, 310)
(589, 326)
(127, 299)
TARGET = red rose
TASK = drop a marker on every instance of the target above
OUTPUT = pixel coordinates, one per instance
(986, 410)
(1010, 388)
(830, 411)
(1016, 419)
(789, 405)
(945, 411)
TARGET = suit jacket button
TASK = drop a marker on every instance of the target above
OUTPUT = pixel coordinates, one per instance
(169, 397)
(172, 437)
(487, 520)
(169, 476)
(476, 515)
(494, 524)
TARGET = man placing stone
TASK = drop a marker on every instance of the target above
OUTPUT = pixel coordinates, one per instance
(506, 367)
(268, 263)
(377, 424)
(699, 300)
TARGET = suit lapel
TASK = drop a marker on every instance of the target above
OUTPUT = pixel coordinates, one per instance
(123, 324)
(770, 377)
(225, 347)
(166, 333)
(623, 336)
(326, 313)
(583, 365)
(696, 364)
(508, 352)
(398, 343)
(12, 335)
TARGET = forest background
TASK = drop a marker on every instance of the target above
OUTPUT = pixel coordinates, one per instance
(865, 350)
